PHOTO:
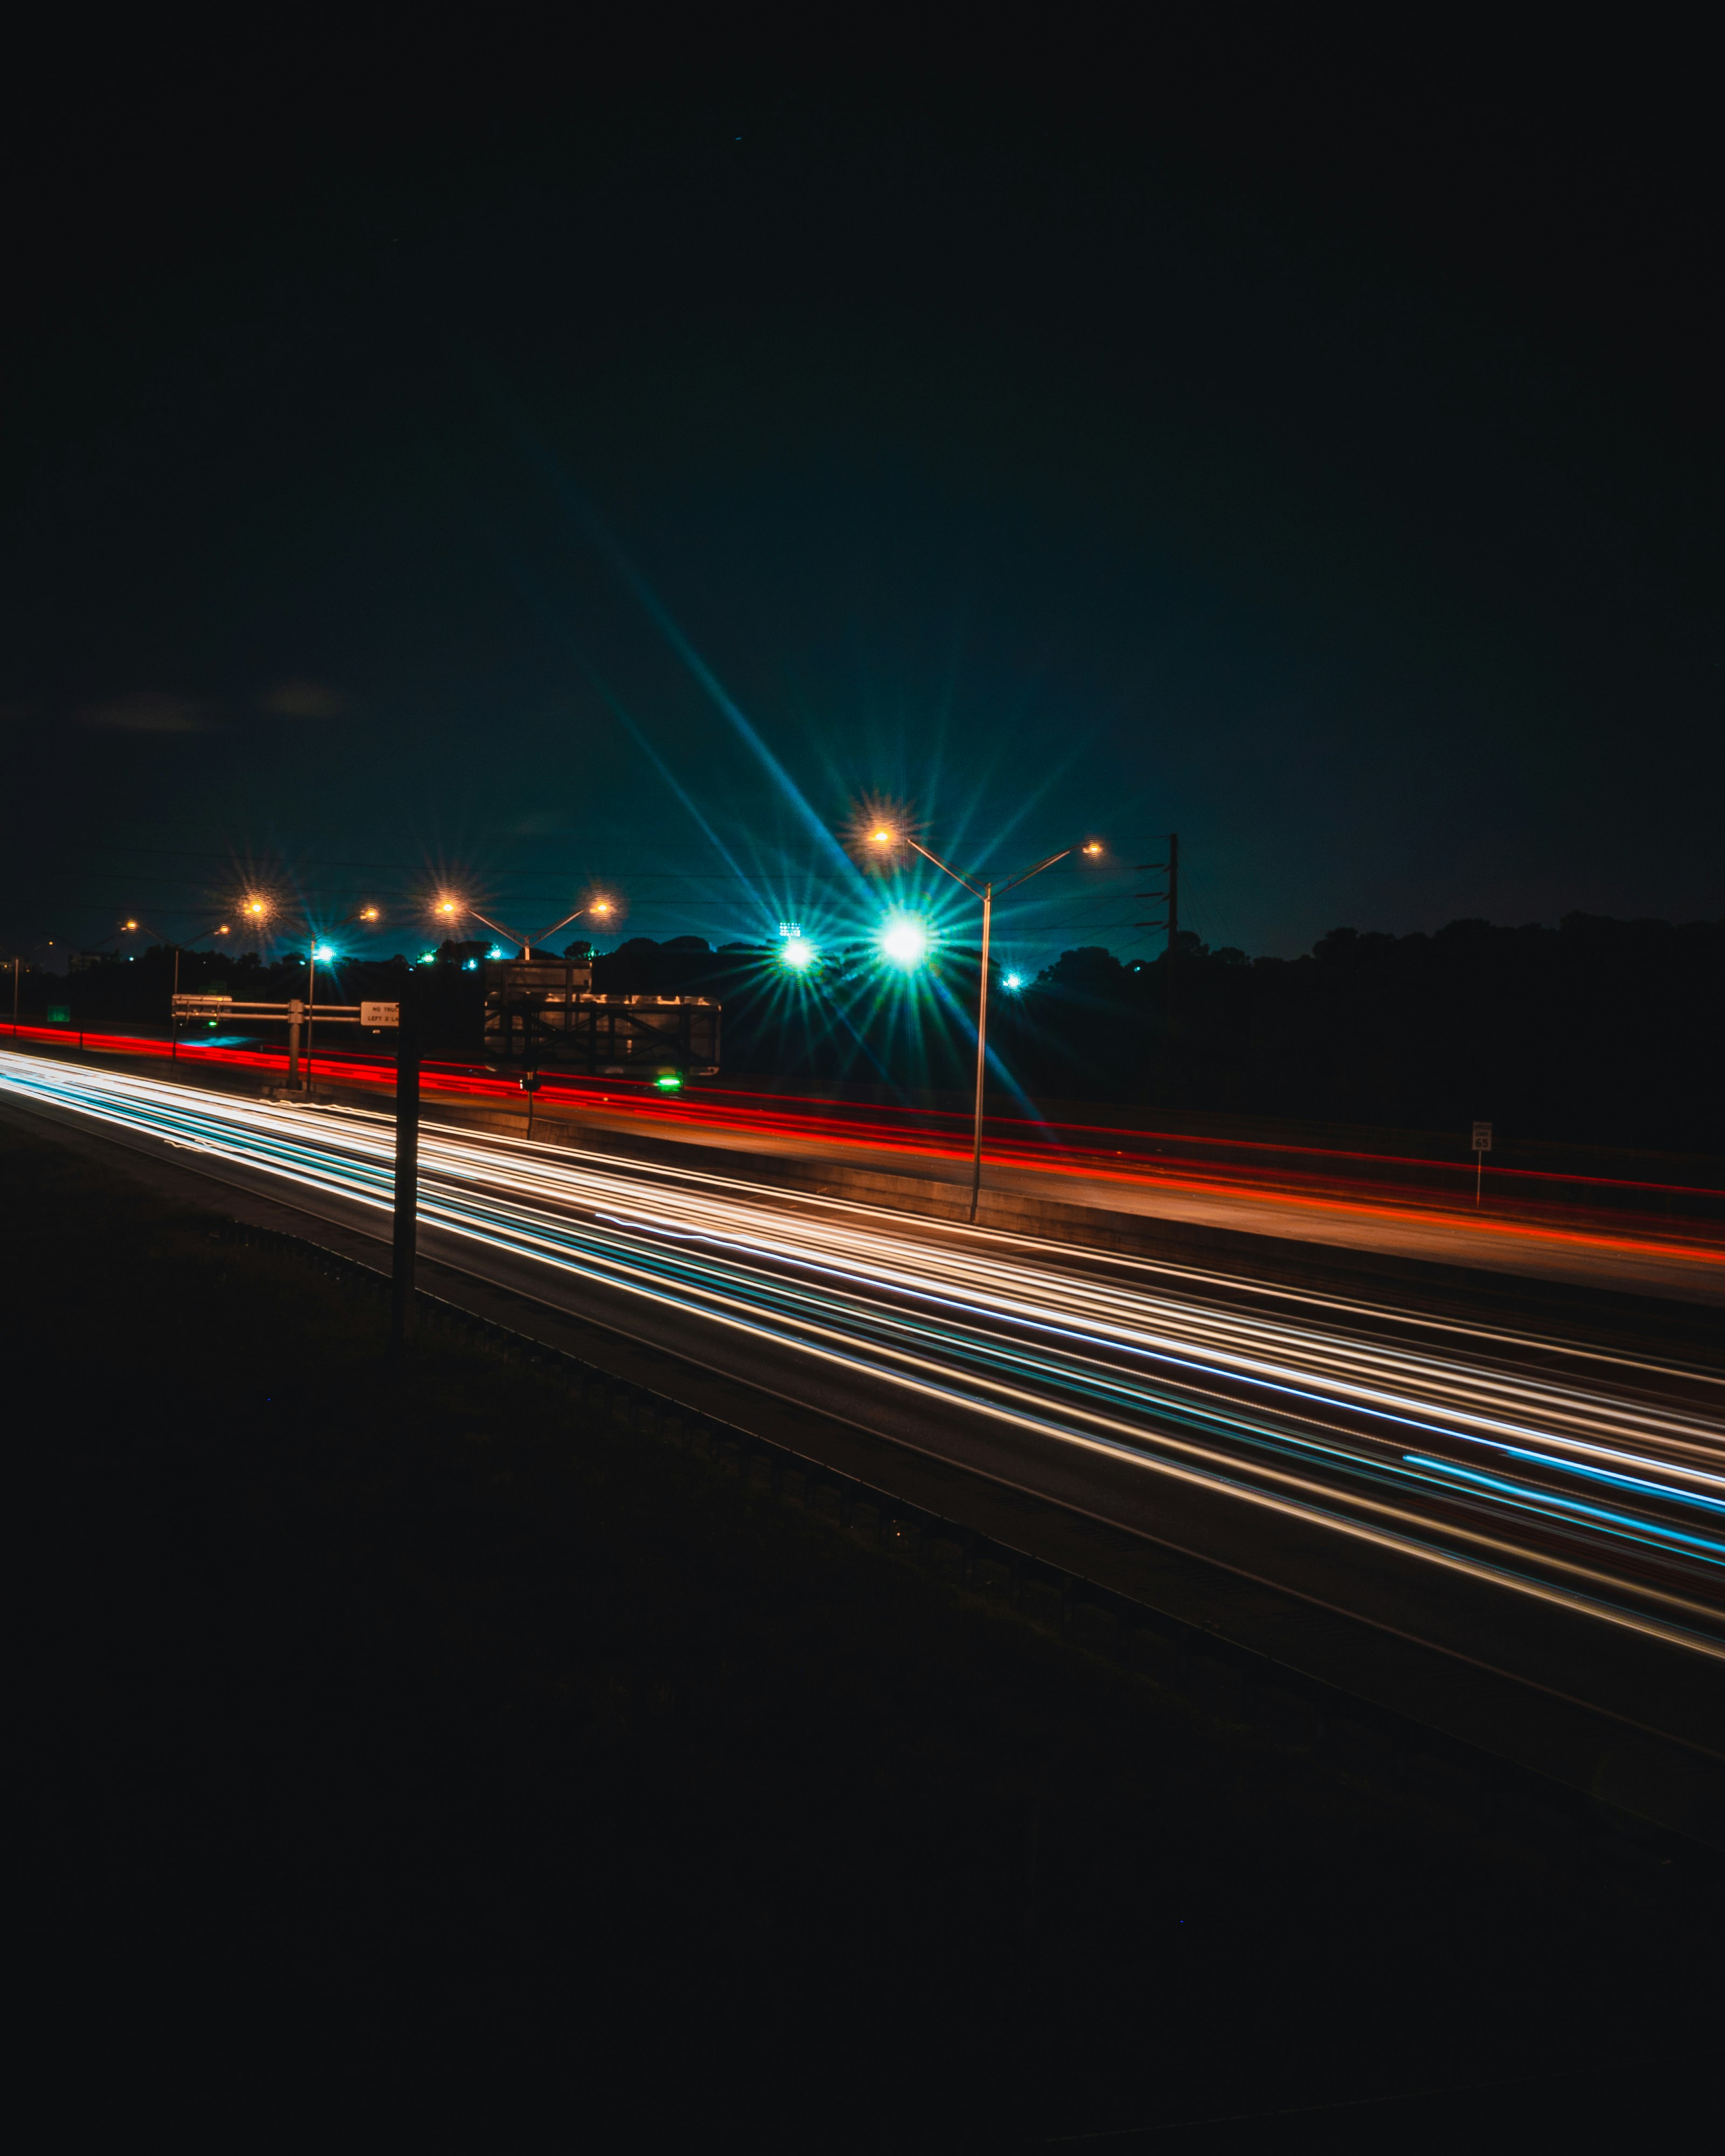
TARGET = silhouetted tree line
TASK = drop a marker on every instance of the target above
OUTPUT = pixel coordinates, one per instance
(1598, 1031)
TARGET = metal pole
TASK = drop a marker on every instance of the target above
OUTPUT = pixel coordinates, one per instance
(1173, 945)
(296, 1011)
(173, 1016)
(407, 1171)
(310, 999)
(982, 1049)
(1479, 1175)
(16, 964)
(1173, 898)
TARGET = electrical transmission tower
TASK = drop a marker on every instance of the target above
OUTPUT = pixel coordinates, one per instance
(1172, 894)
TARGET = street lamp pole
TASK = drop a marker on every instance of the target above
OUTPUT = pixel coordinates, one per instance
(450, 908)
(982, 1052)
(986, 894)
(405, 1249)
(176, 947)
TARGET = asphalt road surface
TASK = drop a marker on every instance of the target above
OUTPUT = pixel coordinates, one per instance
(1647, 1238)
(1551, 1511)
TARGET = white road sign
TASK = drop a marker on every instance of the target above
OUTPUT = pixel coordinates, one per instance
(380, 1014)
(1482, 1140)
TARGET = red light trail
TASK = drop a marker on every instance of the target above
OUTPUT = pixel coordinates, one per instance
(1530, 1205)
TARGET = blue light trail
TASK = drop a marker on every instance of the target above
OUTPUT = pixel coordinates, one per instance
(1296, 1410)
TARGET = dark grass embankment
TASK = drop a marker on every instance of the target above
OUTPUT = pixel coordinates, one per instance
(414, 1763)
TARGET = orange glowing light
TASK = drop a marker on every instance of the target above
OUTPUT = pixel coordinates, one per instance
(368, 913)
(131, 924)
(257, 909)
(602, 905)
(1094, 847)
(881, 838)
(448, 905)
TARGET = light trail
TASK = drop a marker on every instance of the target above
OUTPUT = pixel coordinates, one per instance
(1602, 1492)
(1564, 1213)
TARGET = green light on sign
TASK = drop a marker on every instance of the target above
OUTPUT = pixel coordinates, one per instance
(669, 1083)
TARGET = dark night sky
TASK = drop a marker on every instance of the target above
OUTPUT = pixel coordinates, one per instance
(549, 463)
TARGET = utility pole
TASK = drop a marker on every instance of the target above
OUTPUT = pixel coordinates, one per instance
(407, 1170)
(310, 1005)
(982, 1052)
(1171, 868)
(1173, 900)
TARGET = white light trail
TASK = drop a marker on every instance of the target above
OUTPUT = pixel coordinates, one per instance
(1429, 1440)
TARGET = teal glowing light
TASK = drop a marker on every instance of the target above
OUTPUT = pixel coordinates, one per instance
(428, 958)
(1012, 981)
(797, 953)
(496, 951)
(904, 943)
(323, 953)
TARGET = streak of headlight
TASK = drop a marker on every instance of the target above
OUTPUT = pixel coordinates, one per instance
(852, 1315)
(1535, 1499)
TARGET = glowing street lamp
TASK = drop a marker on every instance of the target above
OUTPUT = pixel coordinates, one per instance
(906, 942)
(451, 909)
(1014, 982)
(795, 951)
(172, 944)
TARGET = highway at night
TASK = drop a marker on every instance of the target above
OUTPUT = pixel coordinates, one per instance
(1645, 1237)
(1554, 1511)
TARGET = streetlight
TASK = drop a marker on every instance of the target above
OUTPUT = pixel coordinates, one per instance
(795, 951)
(167, 944)
(451, 910)
(907, 941)
(323, 953)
